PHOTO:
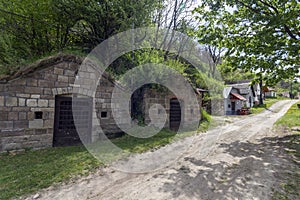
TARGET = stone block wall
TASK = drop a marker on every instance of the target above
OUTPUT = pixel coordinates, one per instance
(190, 111)
(32, 91)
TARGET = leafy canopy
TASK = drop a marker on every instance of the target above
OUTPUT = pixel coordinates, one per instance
(262, 36)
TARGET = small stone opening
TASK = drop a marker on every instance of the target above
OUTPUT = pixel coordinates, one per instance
(38, 115)
(103, 114)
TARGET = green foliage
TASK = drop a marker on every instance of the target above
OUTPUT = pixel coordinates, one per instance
(291, 118)
(259, 35)
(231, 74)
(33, 29)
(205, 116)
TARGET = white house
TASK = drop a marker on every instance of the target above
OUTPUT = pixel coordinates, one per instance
(240, 95)
(269, 92)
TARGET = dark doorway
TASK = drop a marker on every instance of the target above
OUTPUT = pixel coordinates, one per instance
(175, 114)
(65, 133)
(233, 107)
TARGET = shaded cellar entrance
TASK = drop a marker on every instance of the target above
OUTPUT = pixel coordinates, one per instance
(65, 133)
(175, 114)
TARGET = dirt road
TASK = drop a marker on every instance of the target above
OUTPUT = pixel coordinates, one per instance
(239, 160)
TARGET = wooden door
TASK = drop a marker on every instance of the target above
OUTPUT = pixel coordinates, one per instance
(175, 114)
(233, 105)
(65, 128)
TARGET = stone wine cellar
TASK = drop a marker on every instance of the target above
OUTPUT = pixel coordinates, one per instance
(36, 105)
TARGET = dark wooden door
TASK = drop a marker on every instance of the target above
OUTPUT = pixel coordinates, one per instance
(175, 114)
(233, 105)
(65, 128)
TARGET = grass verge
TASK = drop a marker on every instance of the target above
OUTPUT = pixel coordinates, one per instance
(267, 103)
(290, 186)
(27, 172)
(291, 118)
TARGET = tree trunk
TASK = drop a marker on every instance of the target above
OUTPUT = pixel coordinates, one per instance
(261, 102)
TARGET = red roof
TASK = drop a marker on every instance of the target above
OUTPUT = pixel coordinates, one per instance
(238, 96)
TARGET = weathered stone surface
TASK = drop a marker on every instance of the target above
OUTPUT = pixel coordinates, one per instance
(20, 82)
(31, 82)
(64, 79)
(50, 76)
(20, 124)
(69, 72)
(6, 125)
(40, 131)
(13, 116)
(35, 96)
(18, 109)
(3, 116)
(61, 84)
(36, 123)
(64, 90)
(23, 95)
(41, 109)
(10, 133)
(10, 146)
(47, 91)
(1, 101)
(45, 83)
(18, 89)
(71, 80)
(21, 102)
(11, 101)
(51, 103)
(22, 115)
(30, 116)
(42, 103)
(58, 71)
(33, 90)
(31, 102)
(48, 123)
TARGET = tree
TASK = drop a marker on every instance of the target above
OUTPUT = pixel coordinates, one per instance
(32, 29)
(28, 27)
(174, 15)
(212, 55)
(96, 21)
(261, 36)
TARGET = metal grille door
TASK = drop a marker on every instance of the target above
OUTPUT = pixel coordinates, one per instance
(175, 114)
(65, 131)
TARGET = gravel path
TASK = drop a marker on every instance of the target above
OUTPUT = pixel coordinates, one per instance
(239, 160)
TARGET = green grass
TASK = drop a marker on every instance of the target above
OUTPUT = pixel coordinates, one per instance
(127, 144)
(139, 145)
(206, 121)
(291, 118)
(290, 187)
(267, 103)
(29, 171)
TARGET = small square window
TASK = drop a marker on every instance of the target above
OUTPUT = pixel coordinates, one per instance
(103, 114)
(38, 115)
(228, 105)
